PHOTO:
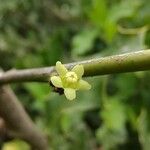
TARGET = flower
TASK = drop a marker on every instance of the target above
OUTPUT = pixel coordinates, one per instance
(70, 81)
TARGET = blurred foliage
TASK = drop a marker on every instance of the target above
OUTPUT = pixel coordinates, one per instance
(15, 145)
(114, 114)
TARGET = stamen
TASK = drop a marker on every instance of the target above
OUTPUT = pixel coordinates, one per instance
(71, 77)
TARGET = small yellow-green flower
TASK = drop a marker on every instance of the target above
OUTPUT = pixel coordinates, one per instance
(70, 81)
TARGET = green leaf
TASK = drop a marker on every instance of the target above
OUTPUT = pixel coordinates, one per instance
(39, 91)
(123, 9)
(110, 30)
(114, 115)
(83, 42)
(16, 145)
(109, 138)
(126, 84)
(98, 12)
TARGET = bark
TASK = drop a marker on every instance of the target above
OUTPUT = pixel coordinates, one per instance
(18, 122)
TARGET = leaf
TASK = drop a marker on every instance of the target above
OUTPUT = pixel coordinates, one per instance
(123, 9)
(39, 91)
(98, 12)
(83, 42)
(110, 30)
(16, 145)
(127, 85)
(109, 138)
(114, 115)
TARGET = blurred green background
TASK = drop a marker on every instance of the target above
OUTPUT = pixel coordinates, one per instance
(114, 114)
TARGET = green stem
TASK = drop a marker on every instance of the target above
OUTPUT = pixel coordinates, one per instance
(128, 62)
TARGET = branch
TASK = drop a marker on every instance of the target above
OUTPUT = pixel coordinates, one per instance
(129, 62)
(5, 134)
(17, 120)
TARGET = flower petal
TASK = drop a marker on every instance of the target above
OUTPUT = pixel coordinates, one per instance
(60, 68)
(79, 70)
(83, 85)
(70, 93)
(56, 81)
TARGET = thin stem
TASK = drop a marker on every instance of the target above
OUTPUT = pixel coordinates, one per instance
(128, 62)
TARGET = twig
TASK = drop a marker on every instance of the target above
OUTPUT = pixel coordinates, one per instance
(133, 31)
(17, 120)
(129, 62)
(5, 134)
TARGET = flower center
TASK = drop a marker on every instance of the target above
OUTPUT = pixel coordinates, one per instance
(71, 77)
